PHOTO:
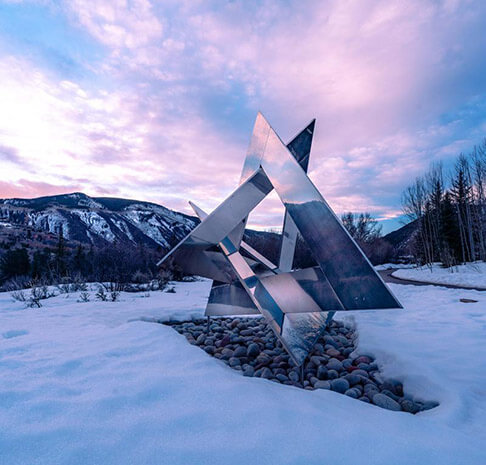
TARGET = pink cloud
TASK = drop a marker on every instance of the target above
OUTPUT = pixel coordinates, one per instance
(375, 74)
(24, 188)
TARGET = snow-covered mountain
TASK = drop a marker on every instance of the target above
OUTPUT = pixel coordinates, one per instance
(96, 220)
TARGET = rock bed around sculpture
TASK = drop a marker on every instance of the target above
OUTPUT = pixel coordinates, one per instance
(248, 345)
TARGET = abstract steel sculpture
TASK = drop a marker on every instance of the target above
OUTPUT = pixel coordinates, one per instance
(297, 304)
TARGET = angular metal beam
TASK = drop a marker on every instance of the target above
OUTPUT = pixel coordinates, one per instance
(353, 278)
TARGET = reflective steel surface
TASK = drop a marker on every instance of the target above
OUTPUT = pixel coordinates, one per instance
(297, 304)
(356, 283)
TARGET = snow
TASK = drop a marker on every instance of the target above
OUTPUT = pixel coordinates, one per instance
(101, 383)
(151, 227)
(393, 266)
(468, 275)
(50, 220)
(95, 223)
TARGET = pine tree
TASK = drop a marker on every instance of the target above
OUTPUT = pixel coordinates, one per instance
(449, 232)
(60, 255)
(14, 262)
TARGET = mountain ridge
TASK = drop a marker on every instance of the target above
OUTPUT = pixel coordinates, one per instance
(96, 220)
(100, 221)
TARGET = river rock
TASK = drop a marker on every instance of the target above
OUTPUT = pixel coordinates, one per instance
(339, 385)
(383, 401)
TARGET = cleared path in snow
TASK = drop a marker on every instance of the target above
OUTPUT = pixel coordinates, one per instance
(388, 277)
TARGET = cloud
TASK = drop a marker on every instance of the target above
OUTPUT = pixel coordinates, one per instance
(118, 24)
(164, 113)
(9, 154)
(24, 188)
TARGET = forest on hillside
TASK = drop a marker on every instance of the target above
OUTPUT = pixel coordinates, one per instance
(446, 209)
(22, 267)
(450, 211)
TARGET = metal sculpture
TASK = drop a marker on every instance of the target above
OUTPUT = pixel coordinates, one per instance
(297, 304)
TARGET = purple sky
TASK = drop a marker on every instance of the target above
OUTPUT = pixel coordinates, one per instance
(156, 101)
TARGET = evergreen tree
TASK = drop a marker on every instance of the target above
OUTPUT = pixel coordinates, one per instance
(60, 255)
(449, 232)
(40, 263)
(14, 262)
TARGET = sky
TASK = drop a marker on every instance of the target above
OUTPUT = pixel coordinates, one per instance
(156, 100)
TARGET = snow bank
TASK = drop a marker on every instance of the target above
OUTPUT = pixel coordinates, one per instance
(393, 266)
(469, 275)
(89, 383)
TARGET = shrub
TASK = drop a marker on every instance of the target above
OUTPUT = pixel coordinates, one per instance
(101, 294)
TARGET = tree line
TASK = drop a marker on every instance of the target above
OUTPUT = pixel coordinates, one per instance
(21, 267)
(449, 211)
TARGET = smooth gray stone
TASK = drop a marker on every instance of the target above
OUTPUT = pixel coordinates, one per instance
(209, 350)
(330, 340)
(267, 373)
(334, 352)
(263, 359)
(365, 399)
(339, 385)
(332, 374)
(334, 364)
(240, 352)
(364, 366)
(322, 372)
(383, 401)
(318, 360)
(370, 386)
(352, 379)
(281, 377)
(318, 349)
(409, 406)
(347, 363)
(248, 371)
(226, 354)
(394, 386)
(322, 385)
(352, 393)
(253, 350)
(390, 394)
(258, 373)
(294, 376)
(341, 339)
(363, 359)
(233, 361)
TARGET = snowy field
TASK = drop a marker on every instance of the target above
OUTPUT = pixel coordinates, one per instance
(393, 266)
(92, 383)
(469, 275)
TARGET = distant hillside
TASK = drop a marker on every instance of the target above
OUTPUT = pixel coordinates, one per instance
(402, 238)
(102, 221)
(94, 221)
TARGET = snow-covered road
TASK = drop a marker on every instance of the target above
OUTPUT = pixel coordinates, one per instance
(89, 383)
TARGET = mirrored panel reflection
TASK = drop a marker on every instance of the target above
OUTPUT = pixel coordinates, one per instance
(297, 304)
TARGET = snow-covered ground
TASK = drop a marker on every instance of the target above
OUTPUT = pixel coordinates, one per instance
(393, 266)
(469, 275)
(90, 383)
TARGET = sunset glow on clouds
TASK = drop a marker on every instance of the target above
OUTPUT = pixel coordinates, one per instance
(156, 101)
